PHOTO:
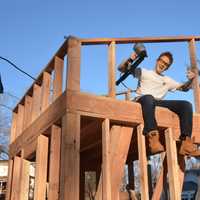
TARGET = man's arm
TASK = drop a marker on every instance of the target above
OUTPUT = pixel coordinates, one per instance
(185, 86)
(188, 84)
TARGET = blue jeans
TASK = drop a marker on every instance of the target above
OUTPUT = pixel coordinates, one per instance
(182, 108)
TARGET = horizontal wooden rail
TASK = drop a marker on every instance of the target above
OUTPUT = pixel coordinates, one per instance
(95, 41)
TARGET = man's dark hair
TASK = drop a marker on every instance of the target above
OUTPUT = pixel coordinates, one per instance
(168, 54)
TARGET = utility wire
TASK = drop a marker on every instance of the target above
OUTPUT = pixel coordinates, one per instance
(22, 71)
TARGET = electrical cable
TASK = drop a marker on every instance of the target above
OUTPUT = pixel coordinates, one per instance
(22, 71)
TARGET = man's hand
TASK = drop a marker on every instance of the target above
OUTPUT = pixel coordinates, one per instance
(190, 74)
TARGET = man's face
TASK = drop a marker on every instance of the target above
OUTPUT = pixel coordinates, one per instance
(162, 64)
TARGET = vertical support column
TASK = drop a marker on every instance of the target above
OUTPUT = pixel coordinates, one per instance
(70, 145)
(70, 157)
(9, 182)
(172, 163)
(41, 168)
(24, 179)
(142, 163)
(58, 77)
(193, 61)
(106, 159)
(111, 70)
(73, 64)
(27, 111)
(36, 101)
(46, 84)
(13, 127)
(54, 165)
(15, 189)
(20, 120)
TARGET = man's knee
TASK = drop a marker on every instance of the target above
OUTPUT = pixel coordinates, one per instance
(147, 99)
(186, 105)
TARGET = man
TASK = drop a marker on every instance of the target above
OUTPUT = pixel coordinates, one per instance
(153, 85)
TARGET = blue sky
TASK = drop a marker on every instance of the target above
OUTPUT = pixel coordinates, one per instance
(32, 31)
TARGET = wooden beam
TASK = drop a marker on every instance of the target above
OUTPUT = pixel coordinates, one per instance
(70, 157)
(24, 180)
(13, 127)
(95, 41)
(45, 92)
(27, 111)
(106, 159)
(15, 189)
(41, 168)
(194, 67)
(58, 77)
(10, 177)
(20, 120)
(73, 64)
(173, 175)
(111, 69)
(42, 123)
(142, 163)
(36, 109)
(54, 165)
(131, 181)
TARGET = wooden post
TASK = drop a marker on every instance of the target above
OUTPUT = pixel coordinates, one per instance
(13, 127)
(58, 77)
(46, 84)
(111, 71)
(36, 102)
(174, 182)
(15, 189)
(73, 64)
(10, 177)
(106, 159)
(142, 164)
(41, 168)
(24, 179)
(54, 166)
(70, 145)
(20, 120)
(27, 111)
(70, 157)
(193, 61)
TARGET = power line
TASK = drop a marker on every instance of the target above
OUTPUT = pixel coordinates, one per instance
(17, 68)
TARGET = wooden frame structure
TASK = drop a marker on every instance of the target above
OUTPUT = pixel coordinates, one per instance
(68, 133)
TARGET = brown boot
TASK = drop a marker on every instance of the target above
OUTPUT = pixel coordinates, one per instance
(189, 148)
(154, 144)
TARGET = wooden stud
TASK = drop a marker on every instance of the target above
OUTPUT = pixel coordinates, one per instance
(119, 151)
(20, 120)
(24, 180)
(54, 166)
(10, 177)
(13, 127)
(70, 157)
(46, 83)
(58, 77)
(36, 101)
(73, 64)
(174, 182)
(111, 70)
(106, 159)
(27, 111)
(15, 189)
(41, 168)
(193, 61)
(142, 163)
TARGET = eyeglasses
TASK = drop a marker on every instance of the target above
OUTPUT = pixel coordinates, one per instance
(163, 62)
